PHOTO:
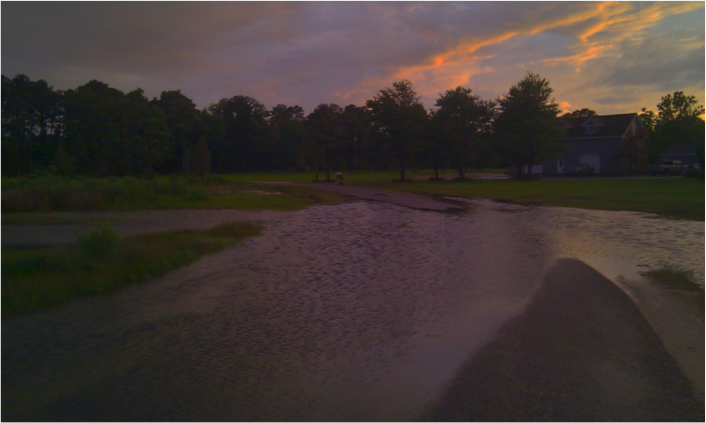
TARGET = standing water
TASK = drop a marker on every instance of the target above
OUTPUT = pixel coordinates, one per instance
(361, 311)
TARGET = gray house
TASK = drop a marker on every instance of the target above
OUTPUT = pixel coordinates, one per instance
(612, 144)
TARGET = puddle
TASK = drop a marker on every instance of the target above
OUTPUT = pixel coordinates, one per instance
(359, 311)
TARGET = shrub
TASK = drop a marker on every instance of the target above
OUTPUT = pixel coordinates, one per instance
(196, 194)
(8, 182)
(57, 194)
(114, 190)
(693, 173)
(20, 200)
(133, 185)
(81, 199)
(98, 243)
(64, 164)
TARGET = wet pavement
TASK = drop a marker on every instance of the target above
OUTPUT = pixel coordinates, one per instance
(360, 311)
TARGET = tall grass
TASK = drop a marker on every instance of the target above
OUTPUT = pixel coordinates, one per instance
(38, 278)
(47, 193)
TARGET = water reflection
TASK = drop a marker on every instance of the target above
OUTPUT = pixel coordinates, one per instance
(361, 311)
(618, 244)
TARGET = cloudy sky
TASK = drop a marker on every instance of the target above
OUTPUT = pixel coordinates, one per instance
(610, 57)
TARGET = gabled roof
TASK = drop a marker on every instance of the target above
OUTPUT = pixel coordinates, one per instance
(593, 120)
(610, 125)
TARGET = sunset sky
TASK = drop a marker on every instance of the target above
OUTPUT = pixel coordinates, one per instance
(610, 57)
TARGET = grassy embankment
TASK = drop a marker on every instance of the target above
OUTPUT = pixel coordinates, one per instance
(30, 200)
(42, 277)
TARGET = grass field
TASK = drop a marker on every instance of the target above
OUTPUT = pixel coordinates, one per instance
(37, 278)
(681, 198)
(44, 194)
(672, 197)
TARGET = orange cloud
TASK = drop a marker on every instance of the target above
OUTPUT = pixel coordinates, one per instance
(620, 22)
(458, 64)
(604, 25)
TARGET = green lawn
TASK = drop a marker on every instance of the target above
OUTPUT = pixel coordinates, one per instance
(673, 197)
(37, 278)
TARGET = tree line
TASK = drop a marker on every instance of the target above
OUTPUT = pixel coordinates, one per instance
(98, 130)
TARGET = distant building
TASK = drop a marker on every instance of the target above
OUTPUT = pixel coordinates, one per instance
(611, 145)
(685, 152)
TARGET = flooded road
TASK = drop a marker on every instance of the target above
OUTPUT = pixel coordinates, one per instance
(618, 244)
(361, 311)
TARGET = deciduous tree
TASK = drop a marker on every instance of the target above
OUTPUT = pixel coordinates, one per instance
(527, 123)
(580, 113)
(399, 119)
(325, 133)
(464, 120)
(182, 119)
(243, 120)
(679, 120)
(201, 158)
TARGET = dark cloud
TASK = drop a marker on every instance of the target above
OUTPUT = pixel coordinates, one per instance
(616, 100)
(314, 52)
(657, 63)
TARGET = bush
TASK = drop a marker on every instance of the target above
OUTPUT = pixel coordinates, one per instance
(196, 194)
(693, 173)
(99, 243)
(133, 185)
(8, 182)
(82, 200)
(19, 200)
(112, 190)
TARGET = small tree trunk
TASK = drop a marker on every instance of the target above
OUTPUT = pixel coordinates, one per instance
(461, 173)
(316, 170)
(436, 170)
(355, 154)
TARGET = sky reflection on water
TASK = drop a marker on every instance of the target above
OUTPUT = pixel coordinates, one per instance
(360, 311)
